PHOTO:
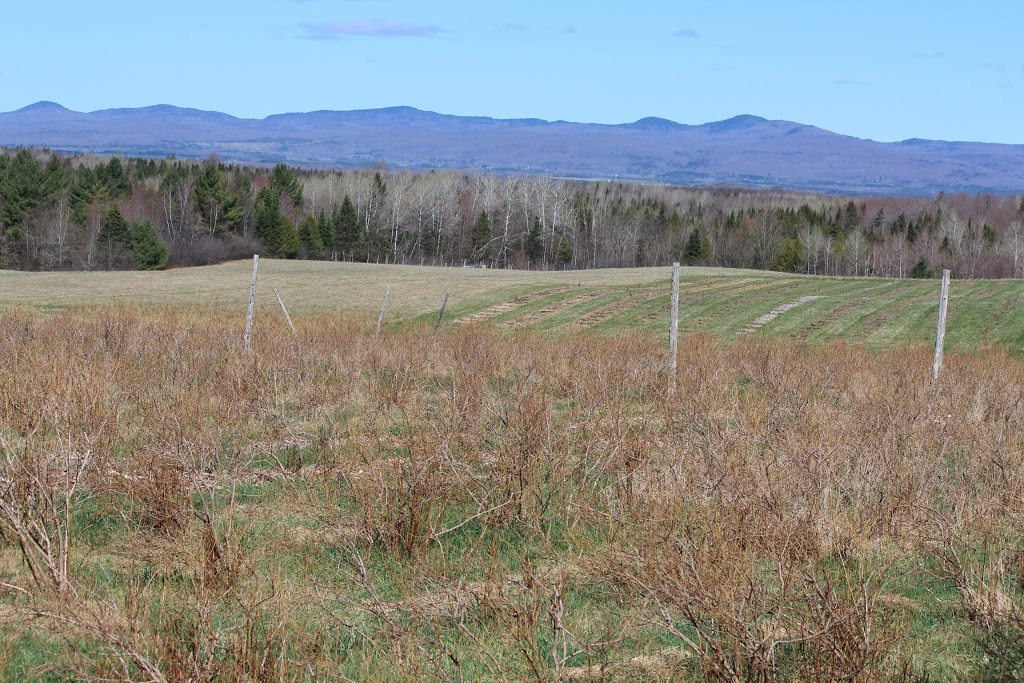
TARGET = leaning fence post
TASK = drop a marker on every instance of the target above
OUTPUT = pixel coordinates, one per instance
(444, 303)
(940, 332)
(673, 325)
(246, 340)
(285, 311)
(380, 319)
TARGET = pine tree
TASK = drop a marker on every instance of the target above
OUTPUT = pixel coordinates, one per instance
(534, 246)
(284, 181)
(482, 237)
(988, 236)
(693, 253)
(851, 218)
(921, 269)
(113, 177)
(266, 217)
(115, 239)
(349, 238)
(326, 234)
(564, 253)
(790, 257)
(147, 246)
(272, 227)
(288, 244)
(213, 201)
(309, 237)
(19, 189)
(878, 222)
(911, 231)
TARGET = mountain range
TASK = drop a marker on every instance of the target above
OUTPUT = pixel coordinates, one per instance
(747, 151)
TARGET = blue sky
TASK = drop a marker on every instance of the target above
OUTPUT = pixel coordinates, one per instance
(886, 70)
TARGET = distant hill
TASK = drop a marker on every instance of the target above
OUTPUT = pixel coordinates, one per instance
(746, 150)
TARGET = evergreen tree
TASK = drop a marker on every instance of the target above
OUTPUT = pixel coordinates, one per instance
(273, 227)
(989, 236)
(312, 245)
(534, 246)
(284, 181)
(349, 238)
(482, 238)
(564, 253)
(115, 239)
(851, 218)
(921, 269)
(238, 210)
(878, 222)
(213, 201)
(266, 222)
(694, 251)
(55, 178)
(288, 244)
(326, 234)
(790, 257)
(147, 246)
(113, 177)
(19, 189)
(899, 225)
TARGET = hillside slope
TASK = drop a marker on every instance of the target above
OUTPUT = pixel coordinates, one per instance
(745, 150)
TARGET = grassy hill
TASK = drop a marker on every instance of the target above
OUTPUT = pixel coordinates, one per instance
(726, 304)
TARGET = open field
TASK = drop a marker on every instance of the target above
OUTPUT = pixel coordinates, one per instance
(511, 498)
(473, 505)
(719, 302)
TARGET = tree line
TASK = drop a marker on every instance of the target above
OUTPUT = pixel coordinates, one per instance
(85, 213)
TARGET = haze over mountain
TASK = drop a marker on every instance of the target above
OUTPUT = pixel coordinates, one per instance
(745, 150)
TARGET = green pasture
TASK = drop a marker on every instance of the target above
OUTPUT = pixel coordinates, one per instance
(723, 303)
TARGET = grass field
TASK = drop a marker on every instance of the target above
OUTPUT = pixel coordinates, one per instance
(722, 303)
(505, 499)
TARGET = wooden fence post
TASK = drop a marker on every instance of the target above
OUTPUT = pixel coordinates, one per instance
(673, 325)
(940, 333)
(247, 339)
(380, 319)
(285, 311)
(444, 303)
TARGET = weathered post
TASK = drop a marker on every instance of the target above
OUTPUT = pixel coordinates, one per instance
(940, 333)
(380, 319)
(285, 311)
(246, 340)
(444, 303)
(673, 324)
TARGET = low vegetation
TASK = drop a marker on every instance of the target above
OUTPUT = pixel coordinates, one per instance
(471, 504)
(724, 303)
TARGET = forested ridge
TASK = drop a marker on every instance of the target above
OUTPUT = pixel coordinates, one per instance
(91, 213)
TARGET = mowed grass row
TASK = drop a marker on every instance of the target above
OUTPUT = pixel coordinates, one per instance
(722, 303)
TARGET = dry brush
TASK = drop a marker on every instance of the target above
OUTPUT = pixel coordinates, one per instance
(477, 505)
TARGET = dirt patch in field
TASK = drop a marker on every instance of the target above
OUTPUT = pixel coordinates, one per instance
(775, 313)
(461, 597)
(897, 307)
(553, 309)
(495, 311)
(659, 666)
(606, 312)
(833, 315)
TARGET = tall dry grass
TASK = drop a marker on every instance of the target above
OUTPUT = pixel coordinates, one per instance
(472, 505)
